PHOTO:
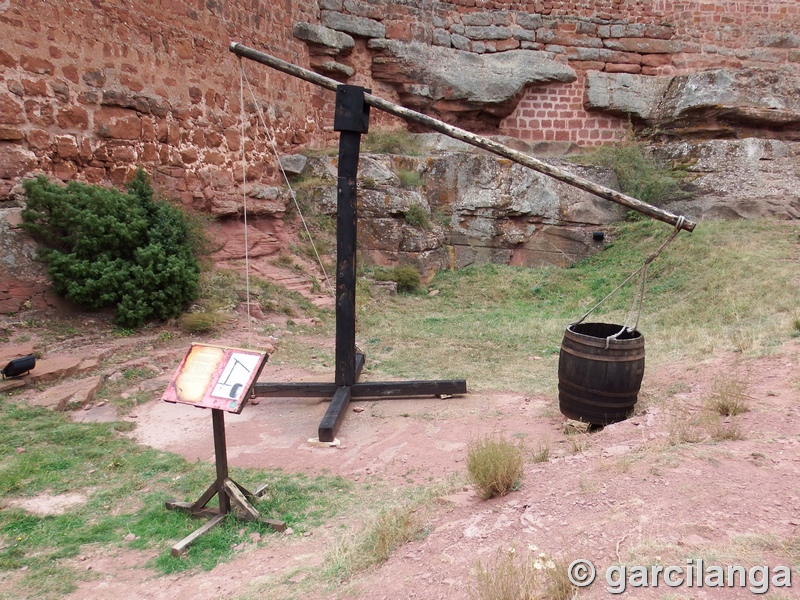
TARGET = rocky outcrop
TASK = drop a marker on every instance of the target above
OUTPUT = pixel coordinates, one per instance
(23, 279)
(499, 211)
(473, 90)
(473, 207)
(731, 179)
(713, 103)
(325, 47)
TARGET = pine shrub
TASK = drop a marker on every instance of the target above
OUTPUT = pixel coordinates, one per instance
(107, 248)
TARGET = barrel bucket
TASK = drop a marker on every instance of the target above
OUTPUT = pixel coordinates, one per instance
(599, 378)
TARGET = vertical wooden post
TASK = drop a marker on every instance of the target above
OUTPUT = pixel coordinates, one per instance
(351, 119)
(221, 456)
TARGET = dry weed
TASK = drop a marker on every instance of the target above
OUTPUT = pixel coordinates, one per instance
(495, 465)
(542, 452)
(728, 397)
(514, 575)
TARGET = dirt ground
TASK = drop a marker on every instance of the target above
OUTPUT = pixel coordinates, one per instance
(621, 495)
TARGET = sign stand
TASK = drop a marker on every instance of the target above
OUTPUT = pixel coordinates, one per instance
(215, 377)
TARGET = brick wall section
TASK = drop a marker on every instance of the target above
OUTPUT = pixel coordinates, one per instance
(556, 113)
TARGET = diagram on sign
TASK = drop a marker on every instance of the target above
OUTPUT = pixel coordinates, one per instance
(235, 376)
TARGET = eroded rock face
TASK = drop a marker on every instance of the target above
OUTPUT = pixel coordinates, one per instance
(735, 179)
(504, 212)
(23, 278)
(718, 102)
(479, 208)
(473, 90)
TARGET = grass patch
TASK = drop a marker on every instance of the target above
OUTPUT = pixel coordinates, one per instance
(390, 529)
(490, 320)
(410, 179)
(278, 299)
(495, 465)
(201, 322)
(392, 141)
(125, 486)
(701, 426)
(398, 522)
(418, 216)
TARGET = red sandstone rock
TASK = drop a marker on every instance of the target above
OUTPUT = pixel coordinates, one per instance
(40, 113)
(622, 68)
(70, 72)
(17, 162)
(656, 60)
(34, 87)
(35, 64)
(117, 123)
(11, 112)
(66, 146)
(11, 134)
(643, 45)
(63, 395)
(65, 171)
(38, 139)
(6, 60)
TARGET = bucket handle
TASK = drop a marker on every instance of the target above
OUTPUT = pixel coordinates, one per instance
(638, 299)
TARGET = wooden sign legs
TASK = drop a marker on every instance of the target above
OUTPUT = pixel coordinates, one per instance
(232, 497)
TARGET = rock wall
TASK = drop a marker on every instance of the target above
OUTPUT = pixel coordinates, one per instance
(468, 207)
(90, 90)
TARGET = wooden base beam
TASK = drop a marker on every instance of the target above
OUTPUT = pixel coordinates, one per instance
(368, 389)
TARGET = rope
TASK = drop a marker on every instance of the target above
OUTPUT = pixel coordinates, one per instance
(638, 299)
(274, 146)
(244, 205)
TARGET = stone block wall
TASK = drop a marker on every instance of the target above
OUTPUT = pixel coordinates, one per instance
(662, 37)
(90, 90)
(659, 37)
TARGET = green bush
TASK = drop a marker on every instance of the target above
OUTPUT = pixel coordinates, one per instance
(639, 174)
(407, 277)
(106, 248)
(417, 216)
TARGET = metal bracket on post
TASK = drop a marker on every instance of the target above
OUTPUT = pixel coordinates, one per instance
(351, 112)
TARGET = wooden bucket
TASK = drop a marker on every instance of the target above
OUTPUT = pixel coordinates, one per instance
(599, 378)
